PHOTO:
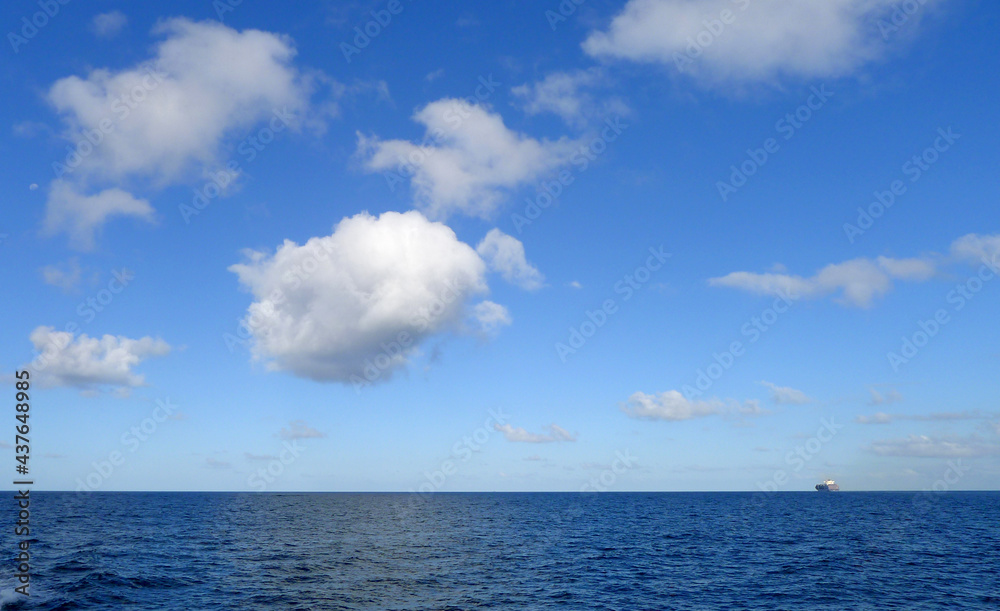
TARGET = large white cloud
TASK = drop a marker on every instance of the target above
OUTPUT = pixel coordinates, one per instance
(353, 306)
(90, 363)
(758, 40)
(205, 81)
(672, 405)
(505, 254)
(167, 118)
(858, 281)
(469, 160)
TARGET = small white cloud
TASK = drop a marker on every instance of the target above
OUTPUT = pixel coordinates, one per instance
(671, 405)
(435, 75)
(468, 162)
(574, 284)
(33, 187)
(107, 25)
(520, 435)
(785, 395)
(490, 316)
(89, 363)
(82, 216)
(977, 249)
(298, 429)
(880, 398)
(66, 277)
(505, 254)
(565, 95)
(877, 418)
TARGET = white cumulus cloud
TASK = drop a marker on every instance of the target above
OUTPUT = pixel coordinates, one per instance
(469, 160)
(353, 306)
(89, 363)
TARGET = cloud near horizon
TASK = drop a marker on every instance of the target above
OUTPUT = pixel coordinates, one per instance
(884, 418)
(924, 446)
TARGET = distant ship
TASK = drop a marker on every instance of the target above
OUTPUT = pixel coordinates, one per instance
(828, 486)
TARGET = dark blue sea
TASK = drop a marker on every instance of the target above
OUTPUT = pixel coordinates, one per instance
(625, 551)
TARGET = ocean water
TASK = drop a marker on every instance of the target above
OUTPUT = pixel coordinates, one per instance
(626, 551)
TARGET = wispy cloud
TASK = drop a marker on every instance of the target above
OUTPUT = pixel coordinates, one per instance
(298, 429)
(884, 418)
(884, 398)
(923, 446)
(520, 435)
(505, 254)
(107, 25)
(671, 405)
(857, 282)
(785, 395)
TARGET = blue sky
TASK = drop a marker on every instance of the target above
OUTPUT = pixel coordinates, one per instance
(504, 248)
